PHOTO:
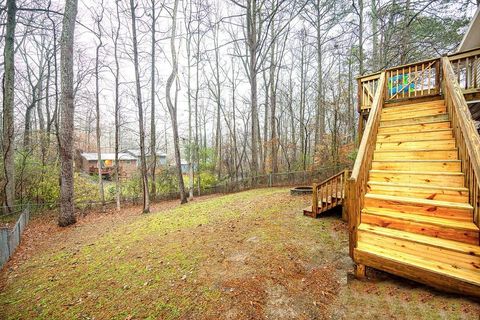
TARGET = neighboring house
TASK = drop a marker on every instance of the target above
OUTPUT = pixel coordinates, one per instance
(185, 166)
(88, 161)
(161, 157)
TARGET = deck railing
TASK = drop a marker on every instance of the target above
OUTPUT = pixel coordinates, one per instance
(466, 66)
(330, 192)
(367, 87)
(468, 141)
(420, 79)
(357, 184)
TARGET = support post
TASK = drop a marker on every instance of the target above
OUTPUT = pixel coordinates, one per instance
(360, 271)
(314, 200)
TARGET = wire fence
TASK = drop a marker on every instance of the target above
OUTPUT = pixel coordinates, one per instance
(228, 185)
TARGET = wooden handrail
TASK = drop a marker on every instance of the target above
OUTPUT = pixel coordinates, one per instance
(318, 185)
(374, 114)
(466, 135)
(464, 54)
(357, 184)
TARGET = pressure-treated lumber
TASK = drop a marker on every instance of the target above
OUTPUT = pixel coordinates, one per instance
(441, 193)
(402, 136)
(418, 165)
(419, 273)
(462, 231)
(416, 145)
(414, 197)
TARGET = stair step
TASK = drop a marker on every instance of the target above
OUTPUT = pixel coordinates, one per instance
(308, 211)
(415, 135)
(419, 206)
(433, 125)
(440, 193)
(418, 144)
(463, 248)
(427, 178)
(462, 231)
(420, 154)
(413, 120)
(411, 113)
(448, 269)
(418, 165)
(453, 259)
(389, 108)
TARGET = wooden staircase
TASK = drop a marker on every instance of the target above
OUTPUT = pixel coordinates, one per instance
(416, 211)
(328, 194)
(413, 198)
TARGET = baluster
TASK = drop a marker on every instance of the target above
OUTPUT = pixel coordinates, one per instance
(422, 74)
(428, 79)
(416, 80)
(467, 74)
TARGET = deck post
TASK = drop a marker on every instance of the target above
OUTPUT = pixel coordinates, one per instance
(314, 200)
(360, 271)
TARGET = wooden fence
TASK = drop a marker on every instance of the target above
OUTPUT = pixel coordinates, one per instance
(10, 237)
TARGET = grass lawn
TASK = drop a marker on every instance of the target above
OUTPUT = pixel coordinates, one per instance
(249, 255)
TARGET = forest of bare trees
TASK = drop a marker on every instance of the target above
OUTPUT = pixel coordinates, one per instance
(233, 88)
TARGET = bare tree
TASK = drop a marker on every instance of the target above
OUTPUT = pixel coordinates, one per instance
(8, 186)
(153, 133)
(115, 36)
(98, 20)
(173, 108)
(67, 214)
(146, 197)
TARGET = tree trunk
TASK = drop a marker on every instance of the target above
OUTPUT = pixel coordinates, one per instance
(273, 103)
(252, 75)
(66, 134)
(374, 17)
(8, 184)
(189, 97)
(320, 110)
(97, 109)
(118, 190)
(153, 130)
(360, 36)
(172, 109)
(146, 197)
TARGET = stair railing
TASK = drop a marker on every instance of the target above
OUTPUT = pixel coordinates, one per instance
(357, 184)
(467, 138)
(466, 66)
(329, 189)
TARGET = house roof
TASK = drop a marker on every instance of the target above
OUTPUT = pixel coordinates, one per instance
(122, 156)
(471, 39)
(136, 153)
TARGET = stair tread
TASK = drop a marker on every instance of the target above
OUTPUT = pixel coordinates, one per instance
(412, 185)
(414, 131)
(413, 116)
(437, 203)
(429, 139)
(418, 150)
(422, 104)
(415, 124)
(444, 222)
(441, 173)
(446, 269)
(423, 239)
(418, 160)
